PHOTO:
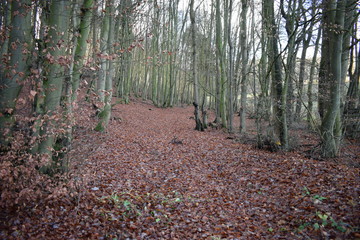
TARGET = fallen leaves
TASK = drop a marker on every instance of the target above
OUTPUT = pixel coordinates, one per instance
(151, 176)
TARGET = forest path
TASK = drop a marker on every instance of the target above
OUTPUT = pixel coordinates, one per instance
(152, 176)
(207, 186)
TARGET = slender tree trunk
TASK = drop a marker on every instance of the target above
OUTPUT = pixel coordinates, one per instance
(307, 35)
(278, 91)
(107, 67)
(230, 71)
(81, 44)
(244, 51)
(198, 124)
(104, 55)
(264, 102)
(155, 52)
(310, 118)
(353, 93)
(220, 66)
(290, 17)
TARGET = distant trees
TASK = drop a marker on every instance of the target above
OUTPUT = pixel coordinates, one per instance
(258, 59)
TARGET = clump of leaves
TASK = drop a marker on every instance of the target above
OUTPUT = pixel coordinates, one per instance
(132, 205)
(316, 197)
(21, 181)
(325, 220)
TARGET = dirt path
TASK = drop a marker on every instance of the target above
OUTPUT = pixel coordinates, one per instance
(151, 176)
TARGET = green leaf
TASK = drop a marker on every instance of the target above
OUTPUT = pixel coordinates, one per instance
(127, 204)
(270, 229)
(157, 220)
(318, 197)
(323, 217)
(306, 191)
(316, 226)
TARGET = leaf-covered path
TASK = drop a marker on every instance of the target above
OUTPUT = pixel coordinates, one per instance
(151, 176)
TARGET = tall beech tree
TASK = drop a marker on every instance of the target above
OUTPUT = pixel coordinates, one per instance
(333, 33)
(310, 118)
(14, 64)
(198, 124)
(220, 66)
(244, 64)
(55, 67)
(106, 73)
(278, 86)
(81, 44)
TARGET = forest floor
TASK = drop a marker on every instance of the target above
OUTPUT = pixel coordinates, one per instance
(152, 176)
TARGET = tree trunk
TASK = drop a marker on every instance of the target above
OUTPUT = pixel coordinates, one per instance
(220, 67)
(104, 58)
(198, 124)
(290, 17)
(324, 84)
(244, 61)
(264, 103)
(55, 68)
(230, 70)
(81, 44)
(278, 91)
(13, 75)
(107, 66)
(330, 127)
(310, 118)
(353, 93)
(307, 35)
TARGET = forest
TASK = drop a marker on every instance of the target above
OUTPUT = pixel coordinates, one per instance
(179, 119)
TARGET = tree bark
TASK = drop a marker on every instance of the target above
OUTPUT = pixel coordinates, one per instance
(107, 66)
(81, 45)
(310, 118)
(306, 38)
(278, 92)
(14, 74)
(244, 61)
(330, 127)
(55, 65)
(198, 124)
(220, 67)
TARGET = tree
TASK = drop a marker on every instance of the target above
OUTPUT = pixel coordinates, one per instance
(55, 64)
(290, 15)
(81, 45)
(279, 92)
(333, 34)
(198, 124)
(14, 66)
(310, 118)
(244, 60)
(230, 76)
(221, 76)
(306, 39)
(105, 82)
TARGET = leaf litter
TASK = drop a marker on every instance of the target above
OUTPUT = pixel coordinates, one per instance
(152, 176)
